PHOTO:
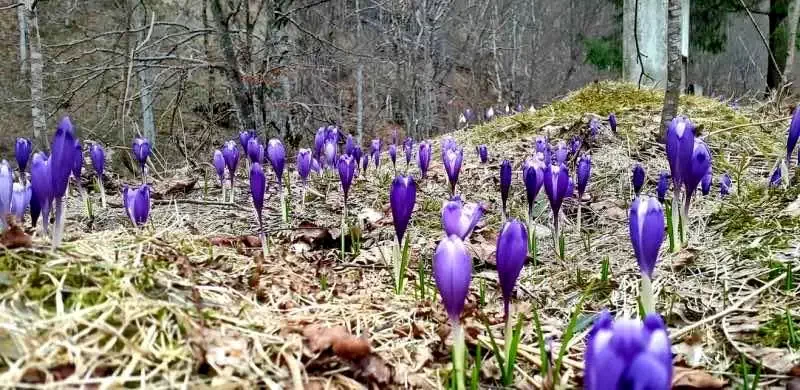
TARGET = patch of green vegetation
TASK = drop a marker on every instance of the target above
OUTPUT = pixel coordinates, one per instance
(781, 331)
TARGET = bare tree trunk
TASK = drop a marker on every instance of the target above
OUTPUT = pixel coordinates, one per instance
(211, 75)
(241, 98)
(23, 39)
(794, 15)
(359, 83)
(495, 26)
(674, 64)
(37, 79)
(146, 87)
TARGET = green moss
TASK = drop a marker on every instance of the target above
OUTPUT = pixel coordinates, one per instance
(781, 330)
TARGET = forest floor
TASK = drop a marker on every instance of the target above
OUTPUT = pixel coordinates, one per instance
(189, 302)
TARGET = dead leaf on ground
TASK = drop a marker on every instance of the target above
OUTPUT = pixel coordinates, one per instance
(351, 348)
(345, 345)
(609, 209)
(249, 241)
(14, 236)
(375, 255)
(689, 379)
(58, 373)
(315, 237)
(374, 369)
(483, 249)
(683, 258)
(173, 186)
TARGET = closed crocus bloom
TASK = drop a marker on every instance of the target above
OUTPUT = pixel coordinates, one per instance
(584, 172)
(628, 354)
(402, 197)
(77, 161)
(541, 144)
(775, 179)
(62, 157)
(612, 122)
(319, 142)
(680, 146)
(347, 169)
(22, 152)
(424, 157)
(705, 184)
(725, 184)
(646, 225)
(364, 163)
(20, 198)
(138, 204)
(452, 271)
(519, 108)
(594, 127)
(304, 164)
(663, 186)
(393, 154)
(254, 150)
(315, 167)
(258, 184)
(561, 152)
(794, 135)
(6, 190)
(452, 165)
(277, 158)
(231, 154)
(637, 178)
(356, 153)
(556, 186)
(460, 219)
(483, 153)
(505, 181)
(219, 165)
(408, 149)
(98, 157)
(489, 114)
(40, 186)
(375, 151)
(245, 136)
(448, 143)
(469, 115)
(533, 177)
(332, 133)
(349, 144)
(141, 150)
(512, 251)
(697, 168)
(330, 150)
(575, 145)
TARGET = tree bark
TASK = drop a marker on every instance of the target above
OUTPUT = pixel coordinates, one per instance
(794, 15)
(37, 79)
(241, 99)
(209, 56)
(23, 39)
(674, 64)
(146, 87)
(774, 69)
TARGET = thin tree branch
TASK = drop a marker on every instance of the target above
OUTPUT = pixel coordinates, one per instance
(763, 39)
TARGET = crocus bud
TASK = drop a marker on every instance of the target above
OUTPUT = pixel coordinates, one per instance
(448, 143)
(638, 178)
(231, 154)
(137, 204)
(452, 271)
(460, 219)
(519, 108)
(315, 166)
(141, 150)
(483, 153)
(512, 251)
(663, 186)
(402, 197)
(697, 167)
(319, 142)
(6, 190)
(98, 157)
(584, 172)
(332, 133)
(725, 185)
(775, 179)
(349, 144)
(347, 168)
(628, 353)
(679, 145)
(556, 186)
(541, 144)
(646, 225)
(20, 198)
(505, 181)
(62, 152)
(258, 184)
(356, 153)
(533, 176)
(22, 152)
(375, 151)
(330, 149)
(452, 165)
(794, 135)
(393, 154)
(612, 122)
(245, 136)
(253, 150)
(469, 115)
(40, 181)
(561, 152)
(424, 157)
(364, 163)
(77, 161)
(219, 165)
(277, 158)
(304, 164)
(705, 184)
(575, 145)
(408, 149)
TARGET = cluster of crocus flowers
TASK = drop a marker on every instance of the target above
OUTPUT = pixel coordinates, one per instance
(512, 251)
(230, 153)
(402, 198)
(680, 147)
(628, 354)
(646, 225)
(136, 202)
(141, 152)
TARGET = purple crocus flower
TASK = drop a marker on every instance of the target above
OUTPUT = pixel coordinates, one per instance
(141, 150)
(505, 182)
(424, 157)
(77, 162)
(6, 190)
(561, 152)
(452, 166)
(402, 197)
(725, 185)
(62, 151)
(483, 153)
(705, 184)
(254, 150)
(245, 136)
(794, 135)
(584, 171)
(519, 108)
(570, 188)
(98, 157)
(41, 187)
(775, 179)
(638, 178)
(460, 219)
(35, 208)
(22, 152)
(408, 148)
(364, 163)
(332, 132)
(541, 144)
(556, 186)
(277, 158)
(533, 177)
(612, 122)
(347, 169)
(680, 146)
(349, 144)
(646, 225)
(356, 153)
(594, 127)
(663, 186)
(315, 166)
(231, 154)
(330, 149)
(512, 251)
(575, 145)
(219, 165)
(319, 142)
(448, 143)
(628, 354)
(304, 164)
(469, 115)
(452, 271)
(137, 204)
(20, 198)
(393, 154)
(258, 185)
(375, 151)
(697, 167)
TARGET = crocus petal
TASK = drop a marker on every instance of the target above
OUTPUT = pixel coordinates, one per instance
(505, 181)
(452, 271)
(794, 135)
(98, 157)
(584, 171)
(277, 158)
(679, 146)
(512, 251)
(22, 152)
(637, 178)
(402, 197)
(647, 232)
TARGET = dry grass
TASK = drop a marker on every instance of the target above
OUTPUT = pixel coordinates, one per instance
(163, 308)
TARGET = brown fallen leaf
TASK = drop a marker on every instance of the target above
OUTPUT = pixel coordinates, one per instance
(374, 369)
(351, 347)
(795, 371)
(314, 236)
(14, 236)
(689, 379)
(59, 373)
(173, 186)
(249, 241)
(321, 338)
(793, 384)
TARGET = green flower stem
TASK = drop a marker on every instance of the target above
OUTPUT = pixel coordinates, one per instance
(102, 192)
(344, 225)
(676, 194)
(578, 229)
(459, 349)
(509, 333)
(648, 303)
(685, 221)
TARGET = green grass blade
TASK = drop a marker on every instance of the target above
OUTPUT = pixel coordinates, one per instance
(543, 366)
